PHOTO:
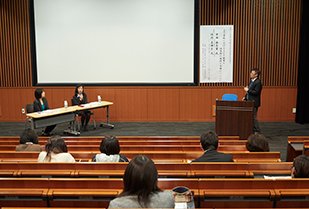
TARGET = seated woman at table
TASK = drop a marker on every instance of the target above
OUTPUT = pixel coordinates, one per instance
(29, 142)
(81, 98)
(109, 151)
(300, 168)
(40, 104)
(257, 143)
(55, 151)
(140, 187)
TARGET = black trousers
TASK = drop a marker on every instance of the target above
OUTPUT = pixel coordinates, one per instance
(256, 127)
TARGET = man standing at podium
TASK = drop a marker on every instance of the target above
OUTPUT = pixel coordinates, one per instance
(253, 94)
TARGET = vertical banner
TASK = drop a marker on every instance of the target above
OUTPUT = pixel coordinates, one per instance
(216, 53)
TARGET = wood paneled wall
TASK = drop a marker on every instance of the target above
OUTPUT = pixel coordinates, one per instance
(266, 36)
(149, 104)
(15, 63)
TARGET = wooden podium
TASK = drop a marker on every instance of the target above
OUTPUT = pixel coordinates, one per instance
(234, 118)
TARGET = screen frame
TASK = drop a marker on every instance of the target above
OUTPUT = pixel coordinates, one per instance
(196, 36)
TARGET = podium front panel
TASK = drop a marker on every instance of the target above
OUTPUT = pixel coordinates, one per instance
(234, 118)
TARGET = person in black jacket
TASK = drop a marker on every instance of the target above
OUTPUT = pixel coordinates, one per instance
(40, 104)
(209, 143)
(253, 93)
(81, 98)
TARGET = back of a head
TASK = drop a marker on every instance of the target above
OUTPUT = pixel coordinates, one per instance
(257, 143)
(140, 178)
(29, 135)
(55, 145)
(110, 145)
(301, 166)
(209, 141)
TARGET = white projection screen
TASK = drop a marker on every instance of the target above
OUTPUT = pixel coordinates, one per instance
(114, 42)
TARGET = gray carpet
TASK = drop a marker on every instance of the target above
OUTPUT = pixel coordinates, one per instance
(276, 132)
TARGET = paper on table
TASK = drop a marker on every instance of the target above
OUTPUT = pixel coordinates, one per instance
(277, 177)
(180, 205)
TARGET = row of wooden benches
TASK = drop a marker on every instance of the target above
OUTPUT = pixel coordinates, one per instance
(187, 170)
(85, 192)
(139, 148)
(168, 156)
(123, 138)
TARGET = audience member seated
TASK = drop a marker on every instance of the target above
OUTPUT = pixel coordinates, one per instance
(300, 168)
(257, 143)
(140, 187)
(209, 143)
(29, 142)
(55, 151)
(109, 151)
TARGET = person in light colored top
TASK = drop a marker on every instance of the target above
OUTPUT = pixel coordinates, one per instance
(55, 151)
(300, 168)
(109, 151)
(29, 142)
(140, 187)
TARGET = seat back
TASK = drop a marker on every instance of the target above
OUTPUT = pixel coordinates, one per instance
(230, 97)
(29, 108)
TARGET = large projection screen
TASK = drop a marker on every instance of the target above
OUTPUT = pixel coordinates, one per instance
(114, 42)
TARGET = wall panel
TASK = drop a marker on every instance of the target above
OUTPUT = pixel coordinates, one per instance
(154, 104)
(266, 35)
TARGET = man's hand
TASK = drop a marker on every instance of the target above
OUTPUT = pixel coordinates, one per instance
(246, 88)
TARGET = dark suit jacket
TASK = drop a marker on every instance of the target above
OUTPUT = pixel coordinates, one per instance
(214, 156)
(254, 93)
(76, 100)
(37, 105)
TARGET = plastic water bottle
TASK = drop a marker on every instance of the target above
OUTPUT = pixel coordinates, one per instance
(65, 104)
(99, 99)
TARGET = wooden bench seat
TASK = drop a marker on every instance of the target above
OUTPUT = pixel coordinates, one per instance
(209, 193)
(295, 147)
(176, 169)
(154, 155)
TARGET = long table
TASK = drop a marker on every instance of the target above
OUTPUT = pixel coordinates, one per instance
(64, 115)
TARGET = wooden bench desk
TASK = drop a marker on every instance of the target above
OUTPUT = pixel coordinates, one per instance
(295, 147)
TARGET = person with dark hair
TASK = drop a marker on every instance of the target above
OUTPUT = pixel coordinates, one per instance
(40, 104)
(300, 168)
(29, 142)
(257, 143)
(209, 143)
(80, 97)
(253, 93)
(109, 151)
(140, 187)
(55, 151)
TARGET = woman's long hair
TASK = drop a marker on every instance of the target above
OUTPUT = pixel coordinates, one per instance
(55, 145)
(140, 178)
